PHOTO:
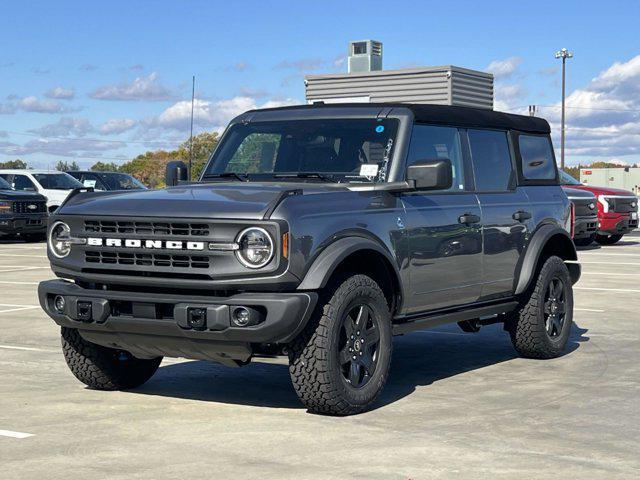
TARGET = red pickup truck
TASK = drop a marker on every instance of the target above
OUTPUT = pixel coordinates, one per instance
(617, 210)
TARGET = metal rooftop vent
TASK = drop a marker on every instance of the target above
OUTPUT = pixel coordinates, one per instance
(365, 56)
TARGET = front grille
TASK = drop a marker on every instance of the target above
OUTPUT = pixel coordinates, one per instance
(29, 207)
(623, 205)
(582, 207)
(147, 228)
(147, 259)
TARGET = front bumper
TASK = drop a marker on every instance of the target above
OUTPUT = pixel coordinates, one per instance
(585, 227)
(151, 325)
(11, 225)
(617, 224)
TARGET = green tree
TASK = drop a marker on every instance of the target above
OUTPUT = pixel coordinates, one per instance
(105, 167)
(14, 164)
(203, 145)
(63, 166)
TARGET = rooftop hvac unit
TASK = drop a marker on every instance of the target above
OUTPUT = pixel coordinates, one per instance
(365, 56)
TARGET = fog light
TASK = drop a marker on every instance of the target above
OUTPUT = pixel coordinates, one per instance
(59, 303)
(197, 318)
(241, 317)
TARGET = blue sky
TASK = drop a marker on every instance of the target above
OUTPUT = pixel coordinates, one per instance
(86, 81)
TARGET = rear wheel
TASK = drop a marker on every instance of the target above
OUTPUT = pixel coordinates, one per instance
(340, 363)
(608, 239)
(103, 368)
(541, 327)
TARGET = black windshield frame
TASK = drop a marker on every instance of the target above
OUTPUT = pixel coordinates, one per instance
(334, 148)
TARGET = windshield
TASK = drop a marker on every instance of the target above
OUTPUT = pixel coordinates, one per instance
(57, 181)
(122, 181)
(4, 185)
(341, 150)
(566, 179)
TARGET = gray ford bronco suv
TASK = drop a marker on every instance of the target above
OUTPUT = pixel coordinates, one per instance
(319, 232)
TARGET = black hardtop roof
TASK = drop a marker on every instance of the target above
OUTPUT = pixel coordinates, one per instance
(97, 172)
(443, 114)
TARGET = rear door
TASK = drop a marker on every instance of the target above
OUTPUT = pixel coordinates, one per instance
(443, 228)
(506, 210)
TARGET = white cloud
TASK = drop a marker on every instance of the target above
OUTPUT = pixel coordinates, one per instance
(603, 118)
(60, 93)
(507, 96)
(141, 88)
(65, 147)
(503, 69)
(65, 127)
(116, 126)
(34, 104)
(210, 114)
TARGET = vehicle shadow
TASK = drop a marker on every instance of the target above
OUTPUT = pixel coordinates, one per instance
(419, 359)
(593, 246)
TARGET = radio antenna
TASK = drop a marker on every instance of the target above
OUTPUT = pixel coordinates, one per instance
(193, 94)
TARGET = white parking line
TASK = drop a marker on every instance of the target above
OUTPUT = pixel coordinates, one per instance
(18, 283)
(20, 268)
(613, 274)
(596, 253)
(27, 349)
(21, 255)
(9, 433)
(622, 290)
(587, 310)
(607, 263)
(18, 307)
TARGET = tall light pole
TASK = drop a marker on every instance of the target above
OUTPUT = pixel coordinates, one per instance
(563, 54)
(193, 95)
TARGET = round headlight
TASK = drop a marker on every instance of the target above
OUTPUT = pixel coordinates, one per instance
(592, 206)
(256, 247)
(59, 239)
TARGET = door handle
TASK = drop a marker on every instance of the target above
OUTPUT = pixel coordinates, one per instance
(468, 218)
(521, 216)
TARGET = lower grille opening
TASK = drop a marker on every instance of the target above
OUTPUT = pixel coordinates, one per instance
(134, 273)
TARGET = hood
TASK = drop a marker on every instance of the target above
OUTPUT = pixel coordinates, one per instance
(578, 193)
(604, 190)
(239, 200)
(21, 196)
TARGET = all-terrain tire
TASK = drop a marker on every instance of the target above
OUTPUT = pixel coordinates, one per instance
(528, 327)
(314, 356)
(103, 368)
(608, 239)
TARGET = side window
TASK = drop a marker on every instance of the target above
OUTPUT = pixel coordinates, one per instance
(491, 159)
(537, 157)
(92, 181)
(430, 142)
(22, 182)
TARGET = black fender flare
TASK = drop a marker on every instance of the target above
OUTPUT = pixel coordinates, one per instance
(538, 241)
(330, 258)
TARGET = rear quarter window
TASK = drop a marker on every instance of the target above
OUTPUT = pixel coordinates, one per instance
(537, 157)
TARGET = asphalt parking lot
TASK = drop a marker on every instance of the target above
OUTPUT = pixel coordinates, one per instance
(456, 404)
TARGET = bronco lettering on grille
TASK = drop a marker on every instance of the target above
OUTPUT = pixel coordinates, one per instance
(148, 244)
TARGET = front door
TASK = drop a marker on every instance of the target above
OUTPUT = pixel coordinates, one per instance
(506, 210)
(444, 229)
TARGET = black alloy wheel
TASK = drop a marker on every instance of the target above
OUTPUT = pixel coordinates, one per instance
(359, 345)
(555, 308)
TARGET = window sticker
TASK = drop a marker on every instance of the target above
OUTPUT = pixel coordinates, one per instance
(90, 183)
(368, 170)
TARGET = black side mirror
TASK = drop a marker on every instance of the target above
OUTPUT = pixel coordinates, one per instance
(432, 174)
(176, 172)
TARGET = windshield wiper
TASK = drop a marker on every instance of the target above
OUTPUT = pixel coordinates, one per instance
(243, 177)
(320, 176)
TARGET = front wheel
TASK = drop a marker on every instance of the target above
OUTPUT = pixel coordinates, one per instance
(541, 328)
(340, 362)
(608, 239)
(103, 368)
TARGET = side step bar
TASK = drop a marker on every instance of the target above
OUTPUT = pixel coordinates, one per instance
(422, 322)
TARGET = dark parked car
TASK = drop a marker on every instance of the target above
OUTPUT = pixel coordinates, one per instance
(319, 232)
(585, 212)
(108, 180)
(22, 214)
